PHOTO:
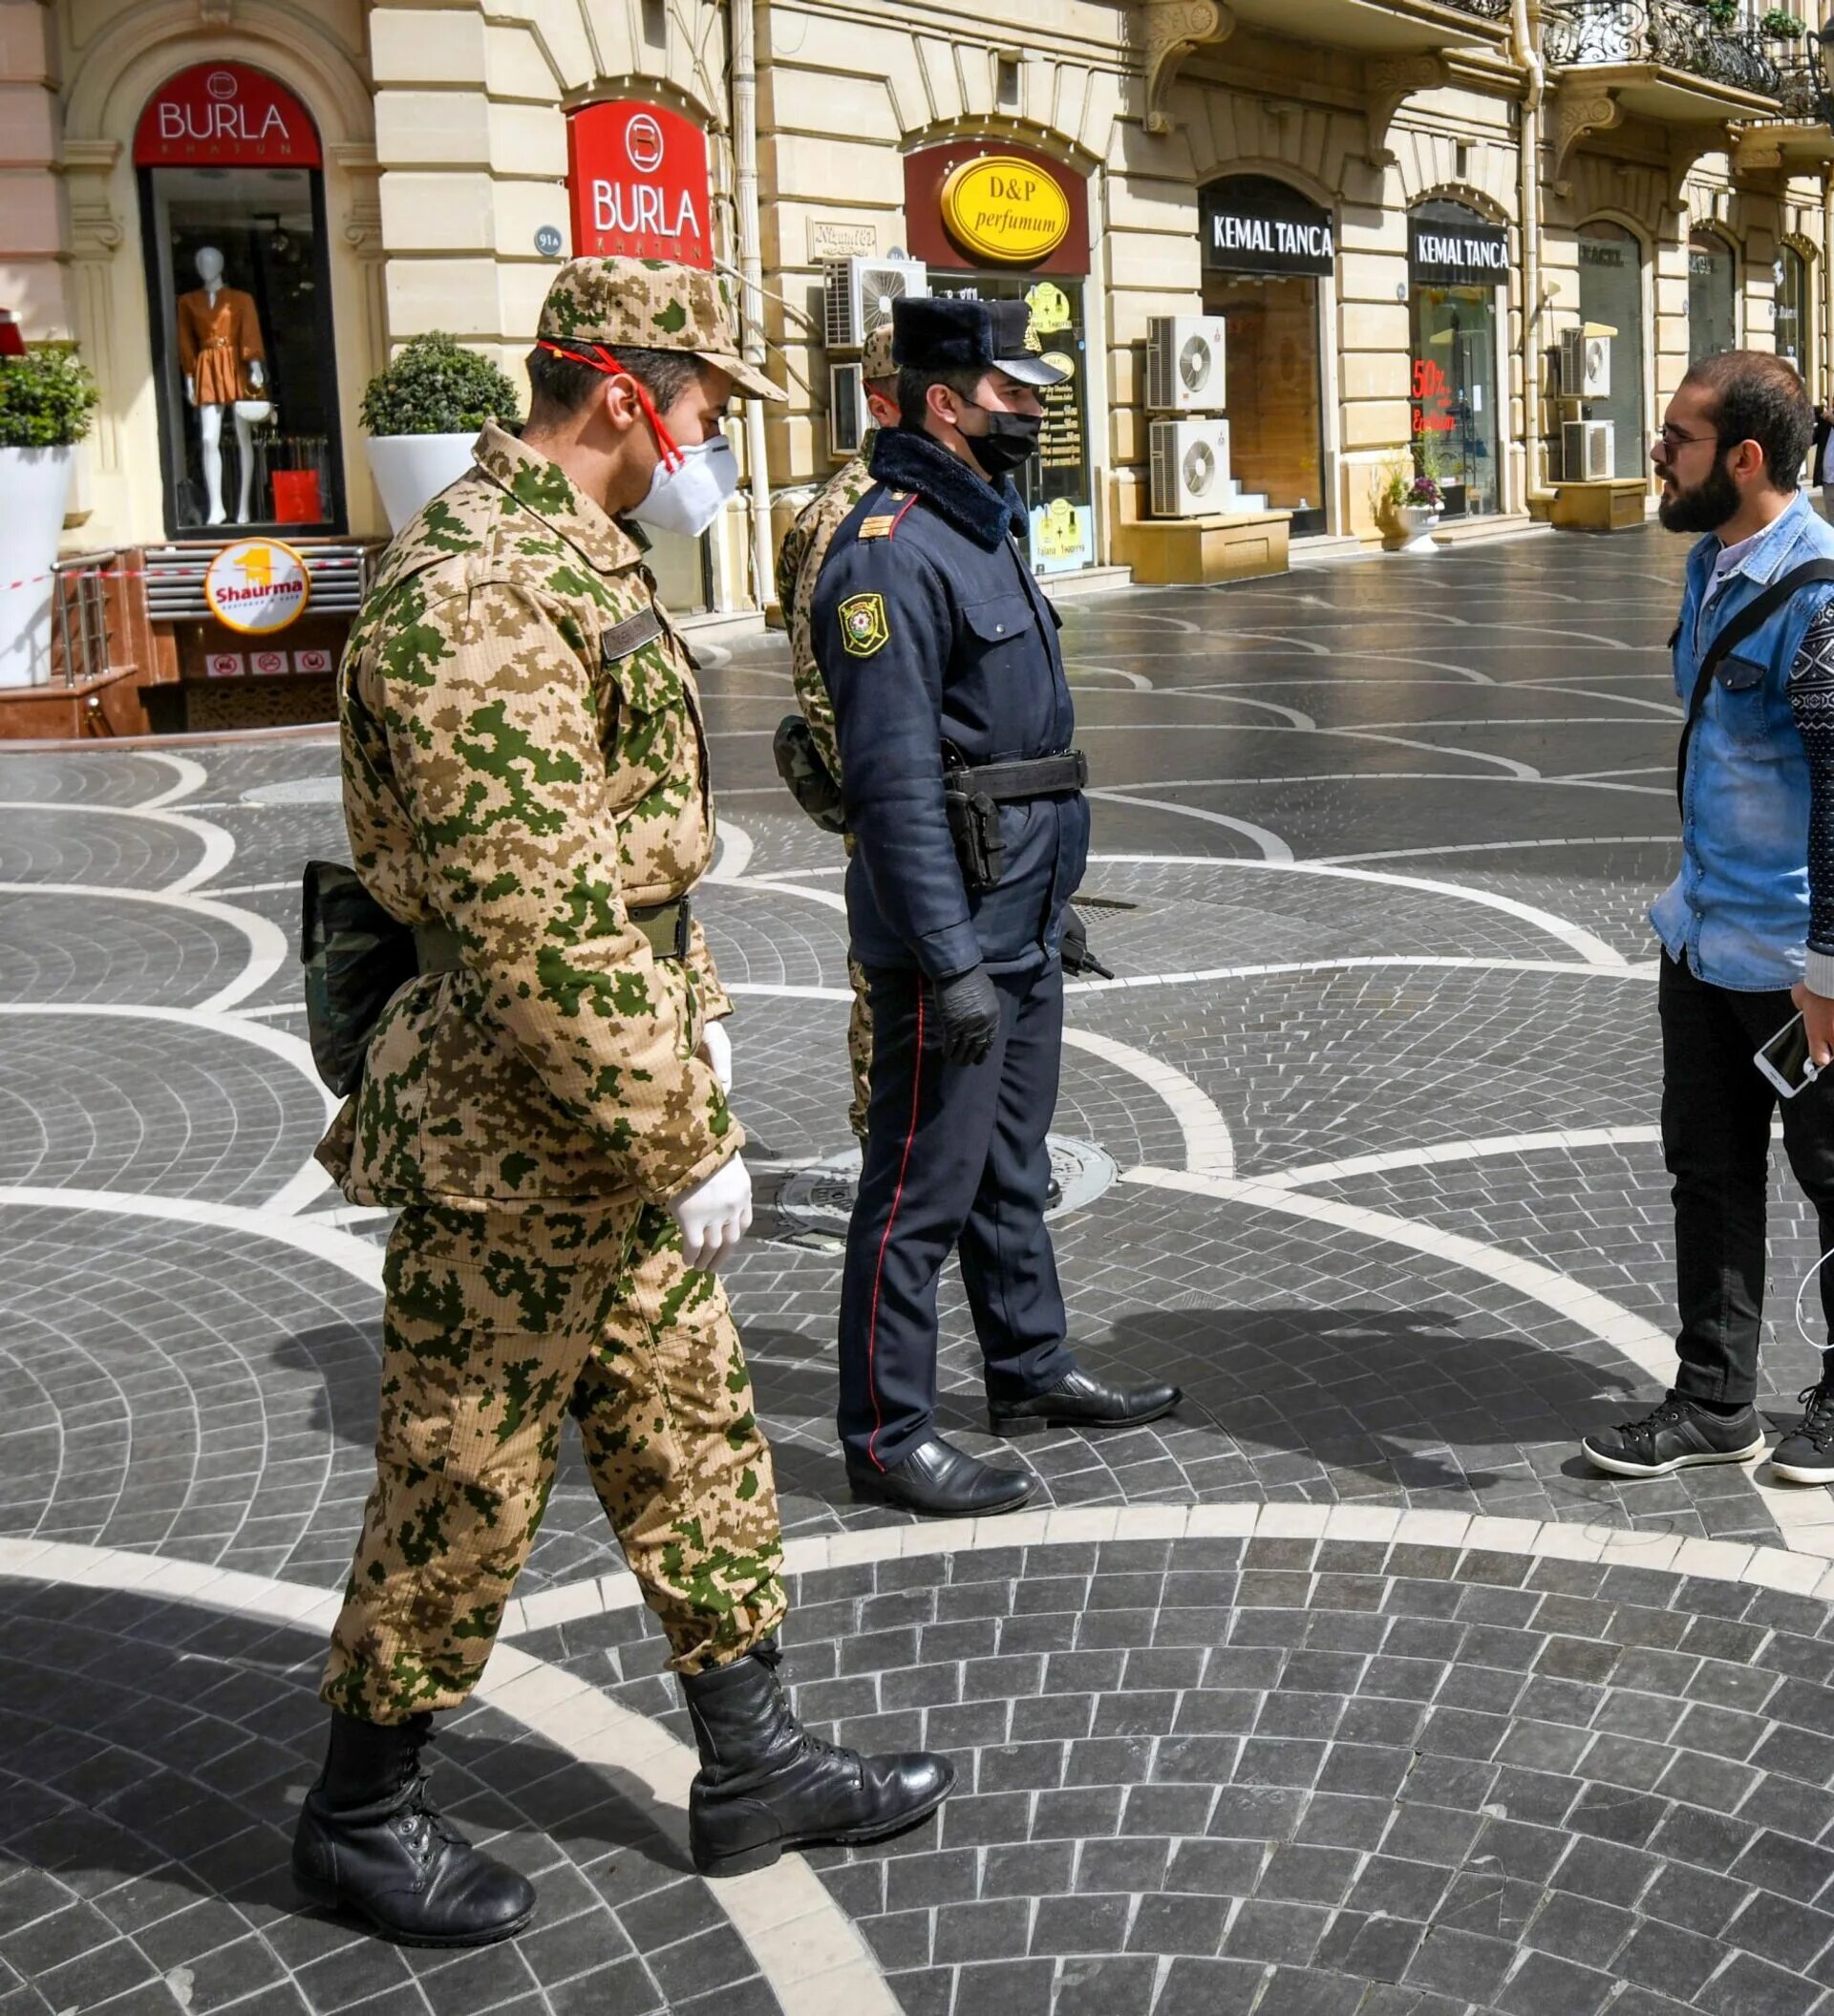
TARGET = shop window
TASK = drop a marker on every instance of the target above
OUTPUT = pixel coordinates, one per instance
(1712, 296)
(1456, 262)
(1792, 323)
(239, 297)
(1610, 305)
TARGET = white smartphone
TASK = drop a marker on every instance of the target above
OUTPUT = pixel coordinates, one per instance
(1784, 1059)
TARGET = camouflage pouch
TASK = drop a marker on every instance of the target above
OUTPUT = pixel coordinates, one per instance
(799, 764)
(356, 958)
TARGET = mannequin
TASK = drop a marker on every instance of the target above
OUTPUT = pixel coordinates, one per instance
(224, 361)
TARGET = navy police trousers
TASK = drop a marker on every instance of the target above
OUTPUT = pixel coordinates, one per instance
(956, 1155)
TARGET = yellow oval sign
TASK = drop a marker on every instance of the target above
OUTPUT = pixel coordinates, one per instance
(1000, 207)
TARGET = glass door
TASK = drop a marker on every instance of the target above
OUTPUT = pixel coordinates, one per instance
(1454, 396)
(1610, 305)
(1273, 374)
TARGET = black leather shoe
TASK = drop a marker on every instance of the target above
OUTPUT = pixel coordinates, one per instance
(1080, 1400)
(765, 1784)
(943, 1481)
(370, 1840)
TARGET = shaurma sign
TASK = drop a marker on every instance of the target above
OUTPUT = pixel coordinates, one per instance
(637, 181)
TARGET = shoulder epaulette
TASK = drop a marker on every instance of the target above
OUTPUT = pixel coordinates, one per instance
(882, 525)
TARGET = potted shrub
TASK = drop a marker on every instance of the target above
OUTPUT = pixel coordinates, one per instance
(1418, 511)
(46, 400)
(423, 412)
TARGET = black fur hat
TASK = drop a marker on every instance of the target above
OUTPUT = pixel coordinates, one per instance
(937, 334)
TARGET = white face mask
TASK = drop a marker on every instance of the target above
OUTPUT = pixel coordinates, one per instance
(687, 497)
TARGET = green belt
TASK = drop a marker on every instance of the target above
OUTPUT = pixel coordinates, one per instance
(666, 925)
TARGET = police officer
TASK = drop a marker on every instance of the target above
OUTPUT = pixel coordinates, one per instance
(954, 724)
(525, 786)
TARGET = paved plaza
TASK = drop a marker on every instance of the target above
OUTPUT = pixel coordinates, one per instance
(1348, 1692)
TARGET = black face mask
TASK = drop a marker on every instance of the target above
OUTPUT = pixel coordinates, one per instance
(1010, 442)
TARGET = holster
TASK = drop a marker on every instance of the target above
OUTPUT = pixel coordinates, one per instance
(356, 957)
(974, 792)
(799, 764)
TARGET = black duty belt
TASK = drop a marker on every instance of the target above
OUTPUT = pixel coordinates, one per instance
(1034, 778)
(667, 927)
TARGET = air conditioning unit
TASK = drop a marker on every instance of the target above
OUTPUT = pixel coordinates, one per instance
(848, 418)
(860, 293)
(1587, 450)
(1184, 364)
(1190, 468)
(1584, 366)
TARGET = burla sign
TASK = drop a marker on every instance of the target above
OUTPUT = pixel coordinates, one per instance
(227, 114)
(637, 179)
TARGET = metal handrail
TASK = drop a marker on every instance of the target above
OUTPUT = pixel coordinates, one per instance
(1679, 35)
(80, 612)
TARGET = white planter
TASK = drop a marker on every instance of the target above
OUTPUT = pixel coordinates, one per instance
(34, 492)
(412, 467)
(1417, 521)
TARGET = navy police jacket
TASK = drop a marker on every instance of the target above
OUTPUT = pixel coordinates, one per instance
(929, 629)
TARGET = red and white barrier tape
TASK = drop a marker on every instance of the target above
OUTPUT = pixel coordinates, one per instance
(175, 573)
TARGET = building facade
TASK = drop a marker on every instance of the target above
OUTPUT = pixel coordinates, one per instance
(1398, 209)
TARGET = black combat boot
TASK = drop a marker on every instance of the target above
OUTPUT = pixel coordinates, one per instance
(765, 1784)
(370, 1840)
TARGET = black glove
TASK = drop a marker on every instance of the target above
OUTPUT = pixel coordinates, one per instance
(970, 1006)
(1074, 948)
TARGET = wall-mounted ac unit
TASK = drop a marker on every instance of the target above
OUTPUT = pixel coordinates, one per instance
(1184, 364)
(1587, 450)
(860, 293)
(1190, 468)
(1584, 366)
(847, 415)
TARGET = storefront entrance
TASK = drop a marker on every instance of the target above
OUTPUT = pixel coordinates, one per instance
(1000, 223)
(1456, 262)
(1610, 305)
(239, 299)
(1712, 296)
(1265, 248)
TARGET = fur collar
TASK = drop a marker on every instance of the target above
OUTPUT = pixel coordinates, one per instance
(911, 460)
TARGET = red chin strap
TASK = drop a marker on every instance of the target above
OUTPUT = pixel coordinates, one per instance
(607, 363)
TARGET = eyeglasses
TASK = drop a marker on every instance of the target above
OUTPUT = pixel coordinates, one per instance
(1671, 438)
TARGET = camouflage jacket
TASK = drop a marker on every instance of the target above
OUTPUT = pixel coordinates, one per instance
(524, 758)
(799, 563)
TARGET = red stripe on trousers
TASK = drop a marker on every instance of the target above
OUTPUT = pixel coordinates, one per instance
(885, 1238)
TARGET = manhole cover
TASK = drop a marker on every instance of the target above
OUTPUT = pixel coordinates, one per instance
(820, 1198)
(296, 791)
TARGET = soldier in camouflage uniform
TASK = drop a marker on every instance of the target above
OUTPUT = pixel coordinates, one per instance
(799, 561)
(525, 783)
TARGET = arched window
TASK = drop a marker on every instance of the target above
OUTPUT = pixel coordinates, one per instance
(1792, 325)
(1712, 296)
(232, 207)
(1611, 305)
(1457, 261)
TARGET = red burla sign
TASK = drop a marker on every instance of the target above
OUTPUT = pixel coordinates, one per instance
(227, 114)
(637, 177)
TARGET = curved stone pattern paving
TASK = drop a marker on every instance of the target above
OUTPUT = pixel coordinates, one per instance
(1378, 1076)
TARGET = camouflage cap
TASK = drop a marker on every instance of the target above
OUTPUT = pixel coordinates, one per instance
(650, 303)
(875, 358)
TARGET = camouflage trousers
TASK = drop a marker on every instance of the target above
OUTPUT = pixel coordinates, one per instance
(495, 1326)
(859, 1049)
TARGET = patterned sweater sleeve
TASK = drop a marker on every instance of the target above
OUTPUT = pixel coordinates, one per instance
(1811, 696)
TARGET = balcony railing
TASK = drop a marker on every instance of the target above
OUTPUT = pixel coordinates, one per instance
(1679, 35)
(1802, 97)
(1483, 10)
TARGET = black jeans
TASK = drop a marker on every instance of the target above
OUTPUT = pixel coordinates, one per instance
(1716, 1139)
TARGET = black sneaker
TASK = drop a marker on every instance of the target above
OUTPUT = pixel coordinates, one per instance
(1805, 1455)
(1676, 1435)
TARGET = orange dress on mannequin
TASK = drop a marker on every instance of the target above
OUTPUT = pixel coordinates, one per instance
(217, 343)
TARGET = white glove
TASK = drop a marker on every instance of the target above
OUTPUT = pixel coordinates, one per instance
(716, 1051)
(716, 1216)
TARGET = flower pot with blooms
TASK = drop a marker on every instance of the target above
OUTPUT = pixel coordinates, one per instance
(1418, 511)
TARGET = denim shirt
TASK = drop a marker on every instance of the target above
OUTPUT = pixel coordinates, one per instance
(1738, 910)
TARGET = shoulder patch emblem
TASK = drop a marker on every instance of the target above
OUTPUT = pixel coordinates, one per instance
(879, 526)
(864, 628)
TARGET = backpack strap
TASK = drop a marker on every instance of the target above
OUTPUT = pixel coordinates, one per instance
(1754, 614)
